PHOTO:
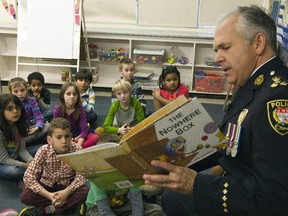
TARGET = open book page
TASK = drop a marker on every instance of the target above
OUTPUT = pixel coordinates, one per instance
(92, 164)
(181, 133)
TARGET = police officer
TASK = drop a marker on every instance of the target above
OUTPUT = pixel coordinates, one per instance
(254, 163)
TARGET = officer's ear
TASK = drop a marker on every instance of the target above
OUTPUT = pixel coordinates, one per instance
(260, 43)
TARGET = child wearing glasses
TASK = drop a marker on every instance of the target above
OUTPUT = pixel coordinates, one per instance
(170, 87)
(14, 157)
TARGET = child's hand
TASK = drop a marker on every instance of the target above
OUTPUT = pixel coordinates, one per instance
(156, 93)
(25, 165)
(124, 129)
(33, 130)
(36, 96)
(58, 199)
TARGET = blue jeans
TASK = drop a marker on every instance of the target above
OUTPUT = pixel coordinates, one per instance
(92, 120)
(15, 173)
(48, 115)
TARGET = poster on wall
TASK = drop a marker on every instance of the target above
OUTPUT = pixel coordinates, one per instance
(8, 13)
(49, 29)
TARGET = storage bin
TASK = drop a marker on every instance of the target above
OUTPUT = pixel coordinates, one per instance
(148, 56)
(209, 81)
(112, 55)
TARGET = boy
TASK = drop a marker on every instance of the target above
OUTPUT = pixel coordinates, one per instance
(124, 113)
(51, 181)
(127, 71)
(42, 95)
(83, 80)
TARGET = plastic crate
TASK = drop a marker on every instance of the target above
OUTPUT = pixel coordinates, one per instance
(209, 81)
(112, 55)
(148, 56)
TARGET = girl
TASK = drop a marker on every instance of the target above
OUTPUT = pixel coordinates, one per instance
(70, 108)
(170, 87)
(14, 157)
(34, 117)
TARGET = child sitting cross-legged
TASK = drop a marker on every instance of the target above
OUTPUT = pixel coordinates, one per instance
(70, 108)
(41, 94)
(83, 79)
(127, 71)
(34, 117)
(51, 185)
(124, 113)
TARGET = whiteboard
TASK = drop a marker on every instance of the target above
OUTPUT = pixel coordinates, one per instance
(47, 29)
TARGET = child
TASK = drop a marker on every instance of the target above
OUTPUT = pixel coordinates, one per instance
(127, 71)
(35, 119)
(51, 185)
(83, 80)
(170, 87)
(14, 157)
(124, 113)
(70, 108)
(119, 202)
(42, 95)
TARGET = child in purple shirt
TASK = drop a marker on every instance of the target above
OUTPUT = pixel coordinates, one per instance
(70, 108)
(34, 118)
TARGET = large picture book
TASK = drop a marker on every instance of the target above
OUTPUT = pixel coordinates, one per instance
(182, 133)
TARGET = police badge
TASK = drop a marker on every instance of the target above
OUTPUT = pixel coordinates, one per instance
(277, 111)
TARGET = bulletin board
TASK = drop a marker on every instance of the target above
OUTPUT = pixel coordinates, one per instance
(49, 29)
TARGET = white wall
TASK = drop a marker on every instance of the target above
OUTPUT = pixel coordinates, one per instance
(155, 13)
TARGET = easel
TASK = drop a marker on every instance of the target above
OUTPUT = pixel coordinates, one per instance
(65, 62)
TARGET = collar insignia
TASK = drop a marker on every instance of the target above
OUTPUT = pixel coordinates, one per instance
(277, 111)
(259, 80)
(277, 81)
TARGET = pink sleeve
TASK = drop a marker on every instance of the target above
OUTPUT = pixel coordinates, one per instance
(183, 90)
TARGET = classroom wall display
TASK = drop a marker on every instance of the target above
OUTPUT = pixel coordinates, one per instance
(49, 29)
(8, 16)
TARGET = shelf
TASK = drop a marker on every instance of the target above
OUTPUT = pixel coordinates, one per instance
(195, 49)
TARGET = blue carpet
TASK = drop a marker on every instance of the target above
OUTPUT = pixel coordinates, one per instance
(10, 190)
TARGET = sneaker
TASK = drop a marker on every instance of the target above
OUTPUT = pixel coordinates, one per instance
(8, 212)
(151, 191)
(31, 211)
(83, 209)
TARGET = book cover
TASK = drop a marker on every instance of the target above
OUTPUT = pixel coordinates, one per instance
(181, 133)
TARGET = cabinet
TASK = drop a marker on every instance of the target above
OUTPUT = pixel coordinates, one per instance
(195, 49)
(8, 58)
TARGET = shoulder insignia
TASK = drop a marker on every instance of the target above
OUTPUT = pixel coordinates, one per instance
(277, 81)
(259, 80)
(277, 111)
